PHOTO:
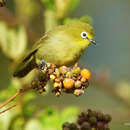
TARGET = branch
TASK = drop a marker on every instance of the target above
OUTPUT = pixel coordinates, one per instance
(12, 98)
(71, 81)
(8, 108)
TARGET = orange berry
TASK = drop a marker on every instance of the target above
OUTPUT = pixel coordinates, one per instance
(68, 83)
(85, 73)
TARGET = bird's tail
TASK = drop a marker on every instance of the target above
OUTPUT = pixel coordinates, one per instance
(24, 68)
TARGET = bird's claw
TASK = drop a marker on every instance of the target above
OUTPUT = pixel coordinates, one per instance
(42, 64)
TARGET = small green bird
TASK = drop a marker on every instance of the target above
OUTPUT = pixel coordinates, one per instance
(63, 45)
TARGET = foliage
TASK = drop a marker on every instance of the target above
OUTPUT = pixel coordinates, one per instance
(13, 41)
(30, 116)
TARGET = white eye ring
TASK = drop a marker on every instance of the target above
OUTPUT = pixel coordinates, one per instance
(84, 35)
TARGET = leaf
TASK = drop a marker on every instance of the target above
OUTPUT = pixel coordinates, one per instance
(73, 5)
(3, 36)
(8, 92)
(49, 4)
(22, 40)
(5, 120)
(33, 124)
(63, 7)
(13, 41)
(49, 118)
(69, 114)
(29, 108)
(17, 42)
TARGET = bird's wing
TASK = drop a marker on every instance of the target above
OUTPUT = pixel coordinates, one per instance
(35, 48)
(30, 54)
(28, 62)
(42, 41)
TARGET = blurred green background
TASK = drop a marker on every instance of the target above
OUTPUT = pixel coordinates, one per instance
(108, 60)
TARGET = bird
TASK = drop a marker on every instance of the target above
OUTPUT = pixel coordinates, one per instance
(62, 46)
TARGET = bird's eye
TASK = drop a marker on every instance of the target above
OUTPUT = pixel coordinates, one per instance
(84, 35)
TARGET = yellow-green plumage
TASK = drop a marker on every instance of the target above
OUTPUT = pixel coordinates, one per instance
(61, 46)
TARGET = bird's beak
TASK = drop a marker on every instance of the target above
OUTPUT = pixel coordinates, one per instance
(92, 41)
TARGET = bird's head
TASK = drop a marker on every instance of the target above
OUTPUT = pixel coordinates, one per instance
(81, 33)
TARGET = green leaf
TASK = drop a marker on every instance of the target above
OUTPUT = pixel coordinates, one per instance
(13, 41)
(49, 118)
(5, 119)
(8, 92)
(73, 5)
(29, 108)
(33, 124)
(49, 4)
(17, 42)
(69, 114)
(3, 36)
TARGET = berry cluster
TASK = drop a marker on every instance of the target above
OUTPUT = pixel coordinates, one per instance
(89, 120)
(69, 80)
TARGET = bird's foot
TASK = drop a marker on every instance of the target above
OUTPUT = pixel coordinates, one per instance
(43, 63)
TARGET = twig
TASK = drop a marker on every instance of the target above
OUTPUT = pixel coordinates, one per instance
(9, 100)
(12, 98)
(8, 108)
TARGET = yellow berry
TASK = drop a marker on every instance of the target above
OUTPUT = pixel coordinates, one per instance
(52, 77)
(56, 85)
(68, 74)
(78, 92)
(76, 70)
(77, 84)
(85, 73)
(57, 72)
(68, 83)
(63, 69)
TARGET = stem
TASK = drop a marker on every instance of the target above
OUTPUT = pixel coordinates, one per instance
(9, 100)
(50, 19)
(12, 98)
(8, 108)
